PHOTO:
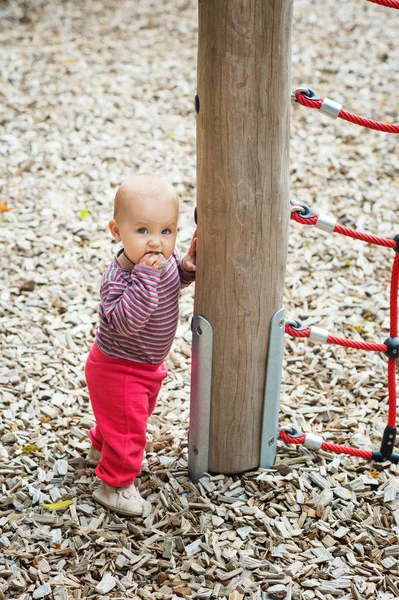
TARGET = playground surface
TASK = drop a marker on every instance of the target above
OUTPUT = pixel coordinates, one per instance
(91, 92)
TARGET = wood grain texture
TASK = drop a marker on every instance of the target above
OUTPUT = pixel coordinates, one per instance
(244, 86)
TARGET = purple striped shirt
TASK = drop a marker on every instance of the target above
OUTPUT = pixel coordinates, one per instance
(139, 310)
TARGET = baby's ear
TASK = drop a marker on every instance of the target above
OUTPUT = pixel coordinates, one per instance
(114, 229)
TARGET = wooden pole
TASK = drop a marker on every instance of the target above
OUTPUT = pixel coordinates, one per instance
(244, 90)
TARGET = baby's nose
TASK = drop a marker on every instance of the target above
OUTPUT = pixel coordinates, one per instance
(155, 242)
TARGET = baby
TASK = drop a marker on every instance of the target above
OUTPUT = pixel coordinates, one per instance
(138, 320)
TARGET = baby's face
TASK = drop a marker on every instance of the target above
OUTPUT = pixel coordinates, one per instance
(149, 225)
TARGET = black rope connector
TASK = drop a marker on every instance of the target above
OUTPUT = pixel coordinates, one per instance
(195, 215)
(388, 441)
(379, 457)
(396, 239)
(392, 344)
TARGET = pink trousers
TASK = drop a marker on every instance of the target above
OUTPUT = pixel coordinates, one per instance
(123, 394)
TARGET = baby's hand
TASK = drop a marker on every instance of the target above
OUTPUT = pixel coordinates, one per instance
(153, 260)
(189, 262)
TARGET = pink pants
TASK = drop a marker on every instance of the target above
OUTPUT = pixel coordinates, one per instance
(123, 394)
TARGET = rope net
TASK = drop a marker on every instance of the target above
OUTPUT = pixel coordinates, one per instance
(304, 215)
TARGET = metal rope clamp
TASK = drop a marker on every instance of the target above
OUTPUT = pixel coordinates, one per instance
(330, 108)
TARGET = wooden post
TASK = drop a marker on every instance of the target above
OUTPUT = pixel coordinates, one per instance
(243, 105)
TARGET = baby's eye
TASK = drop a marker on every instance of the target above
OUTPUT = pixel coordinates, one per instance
(166, 231)
(142, 230)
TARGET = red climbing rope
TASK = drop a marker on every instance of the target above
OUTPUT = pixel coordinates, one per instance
(306, 332)
(393, 329)
(347, 116)
(388, 3)
(302, 333)
(297, 217)
(355, 344)
(392, 392)
(284, 435)
(393, 332)
(327, 446)
(346, 450)
(365, 237)
(340, 229)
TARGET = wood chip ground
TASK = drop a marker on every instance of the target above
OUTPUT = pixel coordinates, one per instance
(91, 92)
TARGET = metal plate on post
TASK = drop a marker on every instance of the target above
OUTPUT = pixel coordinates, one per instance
(200, 398)
(271, 405)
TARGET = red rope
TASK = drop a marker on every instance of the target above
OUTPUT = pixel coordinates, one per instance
(284, 435)
(368, 454)
(347, 116)
(355, 344)
(368, 123)
(365, 237)
(302, 333)
(392, 392)
(305, 333)
(346, 450)
(388, 3)
(295, 216)
(393, 332)
(352, 233)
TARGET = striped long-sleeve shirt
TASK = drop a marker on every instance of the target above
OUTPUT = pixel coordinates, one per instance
(139, 310)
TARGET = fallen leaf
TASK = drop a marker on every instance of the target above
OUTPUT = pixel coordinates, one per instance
(4, 207)
(29, 448)
(58, 505)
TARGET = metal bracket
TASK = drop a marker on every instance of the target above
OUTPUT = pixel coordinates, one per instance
(200, 399)
(271, 406)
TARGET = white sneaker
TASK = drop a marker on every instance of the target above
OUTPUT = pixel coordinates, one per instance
(93, 457)
(124, 500)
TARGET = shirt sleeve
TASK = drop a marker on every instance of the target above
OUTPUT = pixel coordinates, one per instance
(129, 305)
(186, 277)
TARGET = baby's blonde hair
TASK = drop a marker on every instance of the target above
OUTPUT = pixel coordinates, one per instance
(128, 189)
